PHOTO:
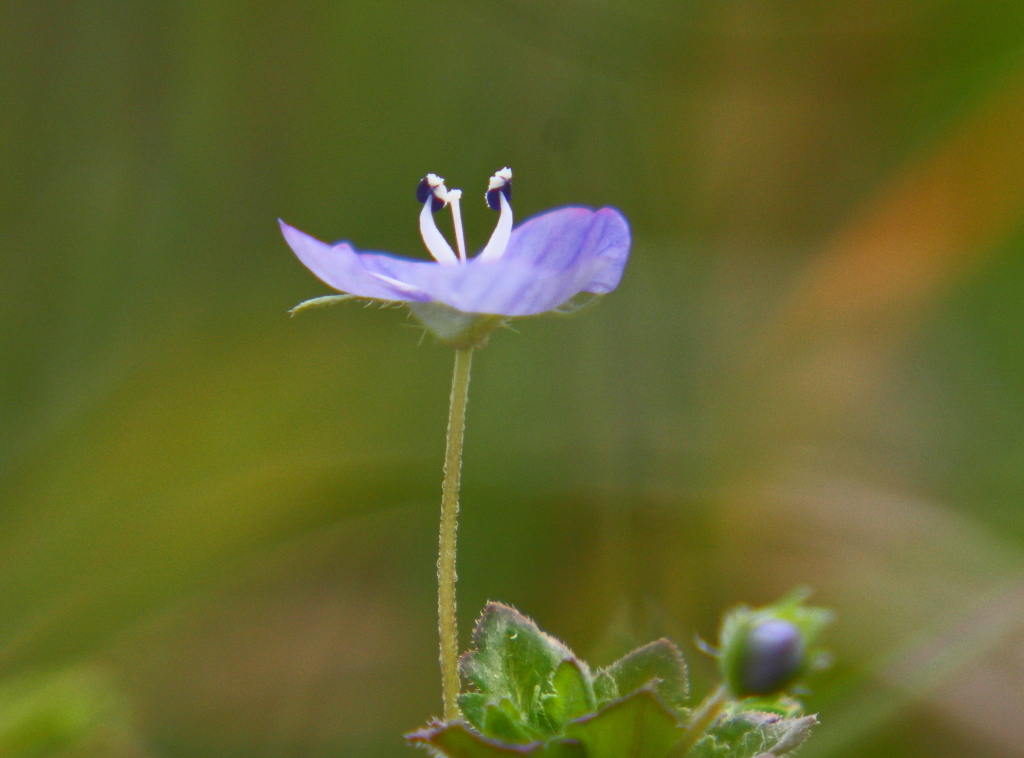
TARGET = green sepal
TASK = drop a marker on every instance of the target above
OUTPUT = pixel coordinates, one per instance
(448, 325)
(513, 659)
(659, 664)
(320, 302)
(453, 327)
(458, 740)
(576, 303)
(639, 725)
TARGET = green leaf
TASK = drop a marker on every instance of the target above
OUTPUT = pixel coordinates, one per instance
(573, 694)
(784, 706)
(458, 740)
(605, 688)
(502, 725)
(749, 734)
(535, 698)
(793, 734)
(513, 659)
(561, 749)
(473, 705)
(660, 664)
(708, 747)
(637, 726)
(745, 733)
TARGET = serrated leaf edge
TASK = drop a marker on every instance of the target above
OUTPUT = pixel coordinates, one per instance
(647, 689)
(494, 606)
(677, 654)
(422, 738)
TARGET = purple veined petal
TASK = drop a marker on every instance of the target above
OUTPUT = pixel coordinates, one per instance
(573, 237)
(550, 258)
(519, 289)
(557, 255)
(340, 267)
(508, 289)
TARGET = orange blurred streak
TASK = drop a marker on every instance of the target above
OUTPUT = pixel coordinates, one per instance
(926, 226)
(833, 346)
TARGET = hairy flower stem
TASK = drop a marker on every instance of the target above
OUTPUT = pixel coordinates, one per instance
(446, 575)
(702, 718)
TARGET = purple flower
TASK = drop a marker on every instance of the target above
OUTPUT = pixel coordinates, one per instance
(536, 267)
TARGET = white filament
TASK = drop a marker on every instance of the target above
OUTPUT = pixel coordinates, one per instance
(398, 285)
(433, 239)
(454, 196)
(499, 237)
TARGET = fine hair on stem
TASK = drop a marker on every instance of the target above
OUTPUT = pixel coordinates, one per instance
(446, 575)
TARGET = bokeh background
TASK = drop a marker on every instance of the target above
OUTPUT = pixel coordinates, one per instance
(218, 524)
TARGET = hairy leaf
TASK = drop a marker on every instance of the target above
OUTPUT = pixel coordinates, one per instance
(458, 740)
(512, 659)
(637, 726)
(659, 664)
(473, 705)
(605, 688)
(750, 734)
(504, 725)
(573, 694)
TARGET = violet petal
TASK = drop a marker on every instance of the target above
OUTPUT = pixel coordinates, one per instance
(550, 258)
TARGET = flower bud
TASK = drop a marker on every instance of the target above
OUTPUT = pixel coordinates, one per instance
(772, 656)
(765, 650)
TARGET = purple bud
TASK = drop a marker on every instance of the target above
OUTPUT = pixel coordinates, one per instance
(771, 657)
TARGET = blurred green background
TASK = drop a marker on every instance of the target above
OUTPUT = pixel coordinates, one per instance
(223, 520)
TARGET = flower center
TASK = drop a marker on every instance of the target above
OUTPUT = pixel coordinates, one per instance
(434, 196)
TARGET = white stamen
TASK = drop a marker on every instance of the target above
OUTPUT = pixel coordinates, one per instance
(432, 238)
(454, 196)
(499, 237)
(500, 179)
(398, 285)
(437, 184)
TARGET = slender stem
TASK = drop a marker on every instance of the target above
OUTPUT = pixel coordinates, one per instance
(446, 575)
(702, 718)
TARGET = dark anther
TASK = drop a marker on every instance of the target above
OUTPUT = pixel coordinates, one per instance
(424, 190)
(492, 196)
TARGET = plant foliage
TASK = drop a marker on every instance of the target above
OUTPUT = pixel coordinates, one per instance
(528, 694)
